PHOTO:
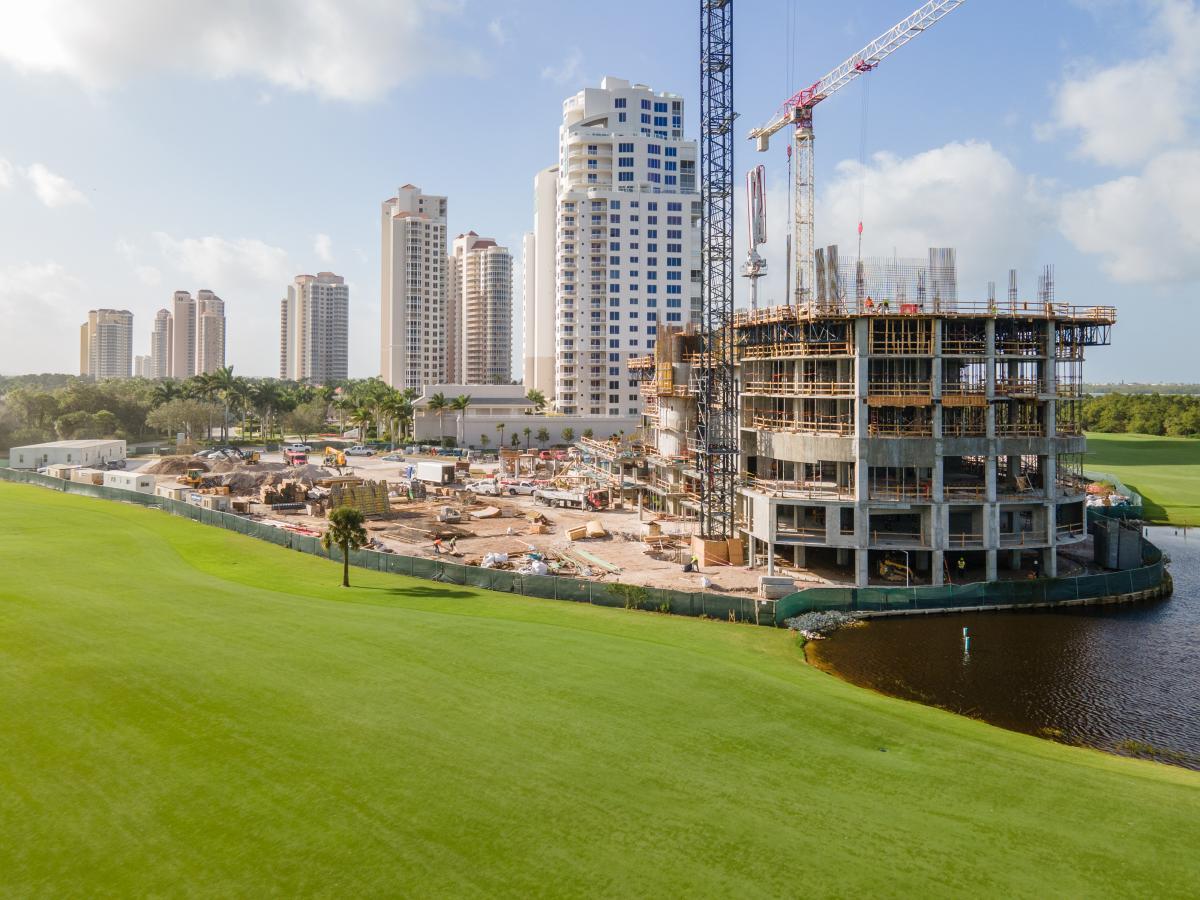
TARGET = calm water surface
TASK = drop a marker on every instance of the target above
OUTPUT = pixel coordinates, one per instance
(1093, 676)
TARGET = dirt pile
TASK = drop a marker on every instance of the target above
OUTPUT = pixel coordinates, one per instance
(175, 465)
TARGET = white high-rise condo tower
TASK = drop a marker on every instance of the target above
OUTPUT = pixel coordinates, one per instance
(480, 317)
(414, 283)
(313, 329)
(627, 242)
(183, 335)
(539, 285)
(106, 344)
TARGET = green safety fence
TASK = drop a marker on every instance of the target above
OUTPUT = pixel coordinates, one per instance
(549, 587)
(980, 594)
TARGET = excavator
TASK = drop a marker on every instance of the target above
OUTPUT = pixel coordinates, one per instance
(335, 459)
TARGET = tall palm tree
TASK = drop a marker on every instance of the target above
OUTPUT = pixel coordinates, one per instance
(500, 428)
(165, 391)
(459, 404)
(537, 398)
(242, 392)
(346, 532)
(268, 395)
(527, 431)
(438, 404)
(223, 384)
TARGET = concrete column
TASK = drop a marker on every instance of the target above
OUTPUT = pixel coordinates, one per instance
(861, 568)
(770, 558)
(800, 556)
(1014, 559)
(938, 564)
(989, 565)
(843, 556)
(1050, 563)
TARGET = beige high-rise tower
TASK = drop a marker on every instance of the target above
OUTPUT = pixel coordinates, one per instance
(210, 332)
(106, 344)
(480, 311)
(160, 345)
(313, 329)
(183, 335)
(414, 282)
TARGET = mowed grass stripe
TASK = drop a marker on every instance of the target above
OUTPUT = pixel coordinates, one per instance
(1164, 470)
(188, 710)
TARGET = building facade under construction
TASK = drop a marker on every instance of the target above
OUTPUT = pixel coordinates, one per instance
(890, 432)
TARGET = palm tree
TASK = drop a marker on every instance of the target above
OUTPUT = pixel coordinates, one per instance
(438, 404)
(484, 440)
(537, 398)
(500, 440)
(459, 404)
(165, 391)
(527, 431)
(516, 441)
(223, 384)
(345, 532)
(568, 434)
(543, 435)
(240, 393)
(361, 418)
(587, 433)
(267, 397)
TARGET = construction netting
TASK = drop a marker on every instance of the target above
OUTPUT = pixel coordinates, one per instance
(736, 608)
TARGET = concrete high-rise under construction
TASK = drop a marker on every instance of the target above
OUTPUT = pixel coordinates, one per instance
(891, 433)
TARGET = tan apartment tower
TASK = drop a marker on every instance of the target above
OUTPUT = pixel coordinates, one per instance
(480, 311)
(160, 345)
(313, 329)
(183, 335)
(210, 332)
(106, 344)
(413, 289)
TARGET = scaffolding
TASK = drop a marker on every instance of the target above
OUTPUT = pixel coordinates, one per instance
(895, 335)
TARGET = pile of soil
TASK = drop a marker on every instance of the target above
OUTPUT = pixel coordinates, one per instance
(307, 475)
(175, 465)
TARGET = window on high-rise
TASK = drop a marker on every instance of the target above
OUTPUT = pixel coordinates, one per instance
(645, 104)
(654, 149)
(645, 118)
(624, 176)
(660, 121)
(619, 102)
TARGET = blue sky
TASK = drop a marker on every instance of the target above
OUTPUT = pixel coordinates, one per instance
(171, 145)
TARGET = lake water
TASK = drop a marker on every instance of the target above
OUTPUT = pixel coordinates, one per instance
(1103, 677)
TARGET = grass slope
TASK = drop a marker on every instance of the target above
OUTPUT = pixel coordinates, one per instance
(186, 710)
(1164, 470)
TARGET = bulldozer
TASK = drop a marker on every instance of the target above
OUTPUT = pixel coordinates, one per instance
(193, 478)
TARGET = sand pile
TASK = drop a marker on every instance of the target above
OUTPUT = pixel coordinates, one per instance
(307, 475)
(175, 465)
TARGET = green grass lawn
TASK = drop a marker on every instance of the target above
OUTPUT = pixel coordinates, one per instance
(188, 711)
(1164, 470)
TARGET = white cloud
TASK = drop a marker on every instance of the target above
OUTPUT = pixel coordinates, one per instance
(216, 261)
(963, 195)
(148, 275)
(498, 32)
(1125, 113)
(53, 190)
(351, 49)
(1144, 227)
(6, 173)
(323, 247)
(40, 299)
(567, 71)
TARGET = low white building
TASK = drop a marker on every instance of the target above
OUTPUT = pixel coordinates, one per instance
(493, 405)
(130, 481)
(75, 453)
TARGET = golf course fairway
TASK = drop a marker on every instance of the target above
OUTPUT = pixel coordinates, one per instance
(187, 711)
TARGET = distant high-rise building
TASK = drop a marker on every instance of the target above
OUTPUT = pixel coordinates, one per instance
(480, 311)
(210, 332)
(160, 345)
(539, 285)
(413, 289)
(106, 344)
(627, 247)
(183, 335)
(313, 329)
(141, 367)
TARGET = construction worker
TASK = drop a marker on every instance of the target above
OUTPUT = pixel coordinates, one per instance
(962, 565)
(437, 545)
(453, 542)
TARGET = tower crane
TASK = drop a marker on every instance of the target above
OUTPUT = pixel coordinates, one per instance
(798, 110)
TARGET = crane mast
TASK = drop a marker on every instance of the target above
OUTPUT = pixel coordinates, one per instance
(716, 417)
(797, 110)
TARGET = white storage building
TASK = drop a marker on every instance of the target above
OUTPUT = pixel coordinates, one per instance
(76, 453)
(130, 481)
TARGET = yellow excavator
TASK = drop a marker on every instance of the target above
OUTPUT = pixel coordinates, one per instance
(335, 458)
(192, 478)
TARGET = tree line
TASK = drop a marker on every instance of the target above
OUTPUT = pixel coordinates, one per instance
(1159, 414)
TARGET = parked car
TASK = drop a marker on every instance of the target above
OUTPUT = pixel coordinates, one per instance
(298, 448)
(392, 457)
(360, 450)
(487, 487)
(513, 488)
